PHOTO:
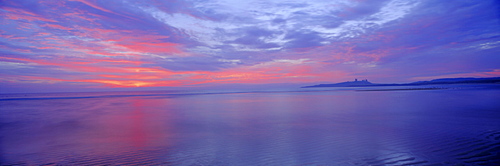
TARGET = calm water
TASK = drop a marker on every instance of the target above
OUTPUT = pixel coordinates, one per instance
(335, 127)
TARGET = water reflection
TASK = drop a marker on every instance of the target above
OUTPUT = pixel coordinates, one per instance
(332, 127)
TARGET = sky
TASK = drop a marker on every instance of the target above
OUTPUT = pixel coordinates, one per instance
(75, 45)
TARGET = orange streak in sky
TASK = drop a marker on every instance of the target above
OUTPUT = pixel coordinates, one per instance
(130, 76)
(141, 77)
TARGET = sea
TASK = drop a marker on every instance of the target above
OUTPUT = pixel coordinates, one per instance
(421, 125)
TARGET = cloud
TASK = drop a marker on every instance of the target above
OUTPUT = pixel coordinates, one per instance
(93, 5)
(21, 14)
(268, 26)
(201, 30)
(179, 43)
(232, 61)
(394, 10)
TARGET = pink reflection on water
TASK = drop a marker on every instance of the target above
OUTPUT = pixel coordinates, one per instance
(138, 134)
(128, 124)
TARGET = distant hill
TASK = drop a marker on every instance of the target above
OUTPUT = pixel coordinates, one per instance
(354, 83)
(365, 83)
(459, 81)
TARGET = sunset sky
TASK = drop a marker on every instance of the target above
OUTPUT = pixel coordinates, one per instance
(50, 45)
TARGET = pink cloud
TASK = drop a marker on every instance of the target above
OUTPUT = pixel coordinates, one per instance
(20, 14)
(56, 26)
(94, 5)
(132, 83)
(153, 47)
(130, 76)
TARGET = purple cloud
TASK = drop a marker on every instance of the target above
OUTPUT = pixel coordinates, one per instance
(184, 43)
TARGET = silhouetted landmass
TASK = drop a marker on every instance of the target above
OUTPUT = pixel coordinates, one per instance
(365, 83)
